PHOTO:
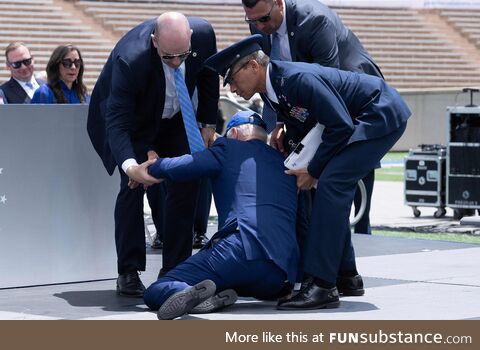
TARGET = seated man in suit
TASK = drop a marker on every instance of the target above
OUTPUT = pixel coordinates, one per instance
(22, 84)
(254, 253)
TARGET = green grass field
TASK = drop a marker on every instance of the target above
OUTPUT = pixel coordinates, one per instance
(391, 173)
(448, 237)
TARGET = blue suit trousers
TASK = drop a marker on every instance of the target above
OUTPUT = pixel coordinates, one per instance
(224, 262)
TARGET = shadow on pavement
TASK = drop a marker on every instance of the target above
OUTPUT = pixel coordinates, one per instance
(108, 300)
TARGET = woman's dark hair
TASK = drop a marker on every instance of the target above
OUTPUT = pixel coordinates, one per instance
(53, 74)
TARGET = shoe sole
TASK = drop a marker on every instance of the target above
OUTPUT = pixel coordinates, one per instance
(182, 302)
(352, 293)
(332, 305)
(218, 301)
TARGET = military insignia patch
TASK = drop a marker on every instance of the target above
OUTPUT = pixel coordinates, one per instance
(299, 113)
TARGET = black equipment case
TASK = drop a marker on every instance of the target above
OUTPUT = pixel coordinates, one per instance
(425, 179)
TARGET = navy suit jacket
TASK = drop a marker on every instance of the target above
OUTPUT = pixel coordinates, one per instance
(14, 93)
(317, 35)
(127, 101)
(252, 194)
(352, 107)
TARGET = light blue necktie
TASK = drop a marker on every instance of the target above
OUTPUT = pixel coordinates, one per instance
(29, 85)
(275, 51)
(194, 137)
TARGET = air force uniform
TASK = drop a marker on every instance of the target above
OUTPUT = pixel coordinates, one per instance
(255, 250)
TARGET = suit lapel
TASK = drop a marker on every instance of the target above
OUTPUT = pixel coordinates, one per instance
(291, 8)
(160, 83)
(192, 65)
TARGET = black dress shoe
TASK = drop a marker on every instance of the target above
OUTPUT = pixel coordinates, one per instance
(199, 240)
(350, 286)
(311, 297)
(157, 243)
(130, 285)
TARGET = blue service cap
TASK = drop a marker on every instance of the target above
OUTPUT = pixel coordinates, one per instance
(245, 117)
(223, 60)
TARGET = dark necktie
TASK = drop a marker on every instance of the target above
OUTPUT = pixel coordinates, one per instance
(194, 137)
(275, 51)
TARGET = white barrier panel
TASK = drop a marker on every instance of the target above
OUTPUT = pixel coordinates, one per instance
(56, 199)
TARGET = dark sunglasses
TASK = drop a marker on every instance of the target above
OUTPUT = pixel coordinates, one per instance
(262, 19)
(182, 56)
(68, 63)
(18, 64)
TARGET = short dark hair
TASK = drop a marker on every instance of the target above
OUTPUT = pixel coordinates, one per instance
(251, 3)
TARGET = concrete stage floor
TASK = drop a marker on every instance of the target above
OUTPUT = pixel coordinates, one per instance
(406, 279)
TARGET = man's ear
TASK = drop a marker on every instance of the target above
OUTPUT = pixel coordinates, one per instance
(255, 65)
(154, 40)
(234, 133)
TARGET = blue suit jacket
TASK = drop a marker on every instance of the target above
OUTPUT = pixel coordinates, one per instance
(127, 102)
(251, 193)
(353, 107)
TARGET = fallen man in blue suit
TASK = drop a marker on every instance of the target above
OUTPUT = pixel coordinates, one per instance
(254, 253)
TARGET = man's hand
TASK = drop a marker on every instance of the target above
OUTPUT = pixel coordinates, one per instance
(304, 180)
(277, 137)
(138, 174)
(208, 136)
(152, 155)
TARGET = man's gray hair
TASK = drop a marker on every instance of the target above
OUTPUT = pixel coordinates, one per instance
(259, 56)
(250, 131)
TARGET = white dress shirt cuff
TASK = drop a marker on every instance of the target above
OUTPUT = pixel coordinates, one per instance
(128, 163)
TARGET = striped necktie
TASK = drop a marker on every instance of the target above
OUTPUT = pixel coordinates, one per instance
(194, 137)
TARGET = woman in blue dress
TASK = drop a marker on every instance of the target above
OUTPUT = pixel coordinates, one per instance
(65, 78)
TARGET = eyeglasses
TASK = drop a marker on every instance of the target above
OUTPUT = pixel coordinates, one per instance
(181, 56)
(229, 80)
(262, 19)
(26, 62)
(68, 63)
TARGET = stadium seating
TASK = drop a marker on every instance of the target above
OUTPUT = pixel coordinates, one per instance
(43, 25)
(412, 50)
(466, 21)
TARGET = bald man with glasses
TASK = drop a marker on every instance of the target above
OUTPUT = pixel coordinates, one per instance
(22, 84)
(137, 113)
